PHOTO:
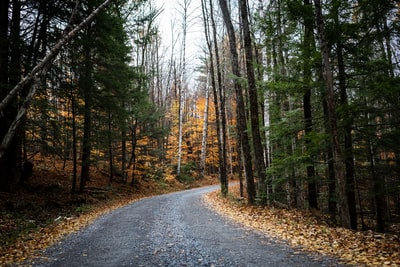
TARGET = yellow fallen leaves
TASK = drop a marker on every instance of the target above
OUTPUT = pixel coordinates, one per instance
(304, 230)
(30, 245)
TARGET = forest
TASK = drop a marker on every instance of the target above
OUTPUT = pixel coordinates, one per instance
(296, 99)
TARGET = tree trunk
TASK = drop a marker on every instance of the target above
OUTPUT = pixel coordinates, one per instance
(347, 128)
(240, 108)
(86, 87)
(180, 127)
(211, 76)
(330, 94)
(308, 44)
(253, 95)
(123, 150)
(182, 82)
(110, 149)
(205, 130)
(219, 95)
(332, 199)
(132, 161)
(5, 117)
(86, 144)
(74, 143)
(379, 190)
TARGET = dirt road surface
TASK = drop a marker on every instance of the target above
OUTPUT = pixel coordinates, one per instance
(173, 230)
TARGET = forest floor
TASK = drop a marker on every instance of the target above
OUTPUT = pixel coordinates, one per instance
(43, 211)
(39, 214)
(310, 232)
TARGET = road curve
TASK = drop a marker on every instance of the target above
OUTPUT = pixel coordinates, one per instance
(173, 230)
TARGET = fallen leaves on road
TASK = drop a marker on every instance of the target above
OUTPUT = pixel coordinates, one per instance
(301, 229)
(43, 214)
(30, 244)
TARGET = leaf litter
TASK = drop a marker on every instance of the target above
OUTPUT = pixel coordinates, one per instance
(304, 230)
(42, 213)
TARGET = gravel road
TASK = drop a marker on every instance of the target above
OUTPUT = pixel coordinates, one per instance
(173, 230)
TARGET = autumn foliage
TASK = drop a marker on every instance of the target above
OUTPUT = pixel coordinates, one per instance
(310, 232)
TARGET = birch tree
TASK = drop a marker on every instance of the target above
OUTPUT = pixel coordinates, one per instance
(182, 81)
(205, 126)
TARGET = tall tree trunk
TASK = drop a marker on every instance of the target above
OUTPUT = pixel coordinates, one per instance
(240, 108)
(205, 130)
(86, 144)
(4, 87)
(132, 161)
(11, 58)
(86, 87)
(388, 46)
(332, 198)
(308, 44)
(182, 82)
(222, 109)
(123, 149)
(379, 189)
(180, 127)
(15, 47)
(347, 128)
(74, 143)
(253, 95)
(330, 94)
(110, 148)
(219, 103)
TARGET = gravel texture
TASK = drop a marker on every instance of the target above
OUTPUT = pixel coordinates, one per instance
(173, 230)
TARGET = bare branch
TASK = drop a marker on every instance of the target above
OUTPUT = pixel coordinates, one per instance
(50, 56)
(38, 70)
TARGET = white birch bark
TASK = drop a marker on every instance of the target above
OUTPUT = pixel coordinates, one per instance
(205, 130)
(185, 9)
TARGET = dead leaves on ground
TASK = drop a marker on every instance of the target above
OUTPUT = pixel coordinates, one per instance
(29, 245)
(34, 226)
(305, 231)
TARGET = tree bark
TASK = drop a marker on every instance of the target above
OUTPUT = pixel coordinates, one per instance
(240, 108)
(347, 128)
(74, 143)
(205, 129)
(86, 86)
(182, 82)
(253, 92)
(219, 103)
(308, 44)
(4, 116)
(221, 96)
(110, 148)
(330, 95)
(218, 92)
